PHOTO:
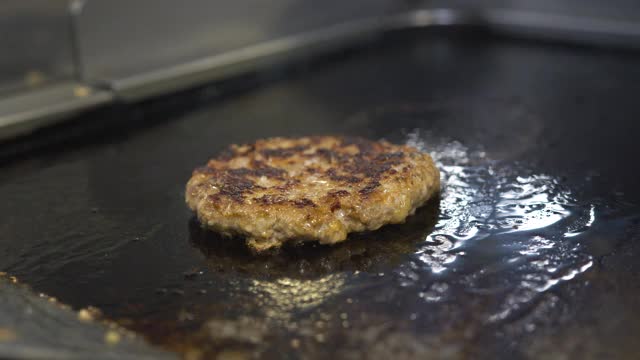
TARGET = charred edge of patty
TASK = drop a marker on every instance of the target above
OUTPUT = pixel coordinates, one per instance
(338, 193)
(284, 152)
(259, 170)
(370, 169)
(235, 188)
(362, 144)
(279, 200)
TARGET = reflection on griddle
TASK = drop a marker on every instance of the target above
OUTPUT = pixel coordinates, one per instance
(302, 276)
(282, 297)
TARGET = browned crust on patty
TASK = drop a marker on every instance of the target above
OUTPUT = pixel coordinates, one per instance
(310, 188)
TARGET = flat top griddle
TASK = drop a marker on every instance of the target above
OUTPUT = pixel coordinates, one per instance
(529, 253)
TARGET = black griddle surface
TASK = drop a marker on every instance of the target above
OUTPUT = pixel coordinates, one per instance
(530, 253)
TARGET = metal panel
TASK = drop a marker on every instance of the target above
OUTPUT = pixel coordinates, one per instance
(226, 64)
(35, 42)
(121, 38)
(143, 48)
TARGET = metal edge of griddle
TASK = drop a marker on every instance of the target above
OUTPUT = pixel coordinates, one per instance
(568, 29)
(528, 24)
(21, 114)
(520, 23)
(24, 113)
(289, 48)
(37, 327)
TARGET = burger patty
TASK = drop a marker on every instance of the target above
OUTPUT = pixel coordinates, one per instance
(310, 188)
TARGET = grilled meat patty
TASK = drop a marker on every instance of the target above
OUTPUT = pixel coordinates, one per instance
(310, 188)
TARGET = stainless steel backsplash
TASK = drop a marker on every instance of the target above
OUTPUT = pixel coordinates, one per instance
(35, 44)
(88, 52)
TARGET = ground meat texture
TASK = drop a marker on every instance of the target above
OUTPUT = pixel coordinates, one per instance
(310, 189)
